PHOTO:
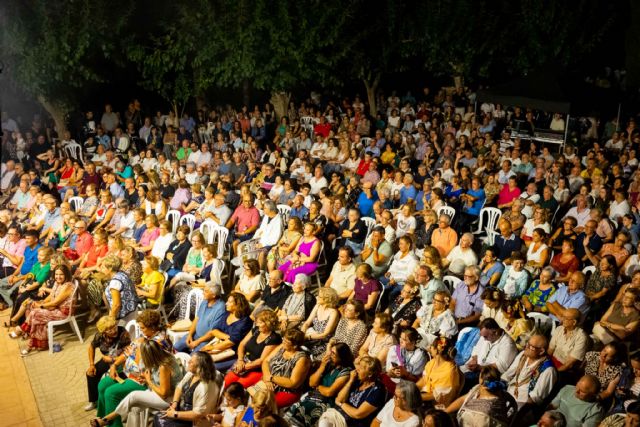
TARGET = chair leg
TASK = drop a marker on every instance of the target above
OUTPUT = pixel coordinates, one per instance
(50, 337)
(74, 324)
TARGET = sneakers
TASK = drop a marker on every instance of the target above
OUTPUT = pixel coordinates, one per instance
(90, 406)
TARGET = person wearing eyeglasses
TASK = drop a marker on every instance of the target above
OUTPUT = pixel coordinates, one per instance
(531, 376)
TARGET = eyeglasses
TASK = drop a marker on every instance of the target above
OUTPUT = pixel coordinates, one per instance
(438, 300)
(533, 347)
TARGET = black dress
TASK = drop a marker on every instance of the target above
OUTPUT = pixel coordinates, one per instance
(185, 404)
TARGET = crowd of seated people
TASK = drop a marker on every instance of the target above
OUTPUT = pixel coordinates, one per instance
(332, 268)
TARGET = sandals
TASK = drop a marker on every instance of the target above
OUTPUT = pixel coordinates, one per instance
(13, 335)
(98, 422)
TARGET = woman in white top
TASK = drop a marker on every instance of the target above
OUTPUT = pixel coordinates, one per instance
(540, 219)
(435, 320)
(562, 193)
(538, 253)
(352, 162)
(251, 282)
(161, 244)
(277, 189)
(401, 410)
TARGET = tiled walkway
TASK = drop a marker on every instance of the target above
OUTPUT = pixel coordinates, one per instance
(44, 389)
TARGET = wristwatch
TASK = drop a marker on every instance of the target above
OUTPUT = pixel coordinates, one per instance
(175, 415)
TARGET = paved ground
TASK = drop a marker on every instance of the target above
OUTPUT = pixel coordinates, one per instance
(44, 389)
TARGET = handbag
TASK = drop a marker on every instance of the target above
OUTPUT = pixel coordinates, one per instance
(182, 325)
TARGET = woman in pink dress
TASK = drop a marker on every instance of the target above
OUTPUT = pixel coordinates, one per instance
(57, 306)
(303, 260)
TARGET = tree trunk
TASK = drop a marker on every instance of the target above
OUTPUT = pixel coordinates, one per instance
(57, 112)
(201, 102)
(280, 101)
(371, 88)
(246, 92)
(632, 60)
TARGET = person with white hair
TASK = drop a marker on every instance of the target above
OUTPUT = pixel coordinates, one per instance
(299, 304)
(461, 256)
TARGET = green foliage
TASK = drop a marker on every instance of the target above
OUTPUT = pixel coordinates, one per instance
(53, 49)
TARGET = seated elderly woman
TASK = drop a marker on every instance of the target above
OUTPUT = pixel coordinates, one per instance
(436, 319)
(111, 340)
(251, 282)
(286, 245)
(403, 409)
(322, 322)
(326, 381)
(235, 326)
(536, 296)
(195, 396)
(515, 278)
(298, 305)
(285, 370)
(404, 309)
(607, 365)
(192, 263)
(491, 268)
(57, 306)
(461, 256)
(120, 292)
(620, 322)
(379, 340)
(351, 328)
(256, 346)
(111, 388)
(162, 374)
(207, 274)
(441, 380)
(360, 399)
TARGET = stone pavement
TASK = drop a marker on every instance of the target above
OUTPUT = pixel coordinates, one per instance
(44, 389)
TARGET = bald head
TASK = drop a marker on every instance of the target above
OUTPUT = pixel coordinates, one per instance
(587, 388)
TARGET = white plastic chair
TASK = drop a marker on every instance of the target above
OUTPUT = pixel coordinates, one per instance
(183, 359)
(365, 141)
(74, 151)
(189, 220)
(71, 318)
(488, 220)
(322, 263)
(133, 329)
(206, 230)
(218, 268)
(173, 216)
(307, 121)
(379, 300)
(76, 203)
(542, 322)
(221, 234)
(285, 211)
(161, 309)
(589, 270)
(198, 295)
(370, 223)
(446, 210)
(450, 282)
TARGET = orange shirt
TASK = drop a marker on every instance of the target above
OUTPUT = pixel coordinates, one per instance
(444, 240)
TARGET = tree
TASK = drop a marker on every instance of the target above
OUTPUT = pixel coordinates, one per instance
(277, 46)
(53, 50)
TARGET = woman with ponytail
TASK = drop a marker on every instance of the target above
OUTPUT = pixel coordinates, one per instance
(441, 381)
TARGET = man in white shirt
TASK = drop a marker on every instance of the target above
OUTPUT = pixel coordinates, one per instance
(580, 212)
(531, 376)
(505, 173)
(7, 172)
(530, 198)
(343, 274)
(269, 232)
(145, 130)
(461, 256)
(619, 206)
(220, 213)
(494, 348)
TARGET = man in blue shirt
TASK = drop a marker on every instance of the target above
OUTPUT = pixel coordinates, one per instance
(30, 252)
(408, 192)
(115, 189)
(366, 199)
(507, 242)
(570, 296)
(209, 316)
(299, 209)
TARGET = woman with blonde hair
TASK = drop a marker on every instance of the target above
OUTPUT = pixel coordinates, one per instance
(322, 322)
(111, 340)
(150, 287)
(263, 404)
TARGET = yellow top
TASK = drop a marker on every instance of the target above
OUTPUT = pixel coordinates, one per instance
(445, 379)
(148, 281)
